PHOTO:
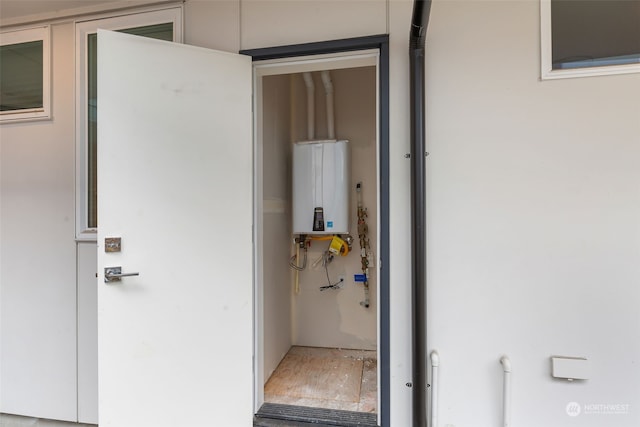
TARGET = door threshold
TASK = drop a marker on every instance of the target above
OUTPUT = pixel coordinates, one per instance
(300, 416)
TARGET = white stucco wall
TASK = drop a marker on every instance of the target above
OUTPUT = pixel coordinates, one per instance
(533, 223)
(38, 255)
(533, 237)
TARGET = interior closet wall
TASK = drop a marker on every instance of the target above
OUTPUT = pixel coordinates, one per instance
(277, 288)
(335, 318)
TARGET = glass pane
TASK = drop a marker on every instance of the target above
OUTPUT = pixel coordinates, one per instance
(160, 31)
(21, 76)
(92, 128)
(592, 33)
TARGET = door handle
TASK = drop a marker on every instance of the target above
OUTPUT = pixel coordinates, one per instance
(114, 274)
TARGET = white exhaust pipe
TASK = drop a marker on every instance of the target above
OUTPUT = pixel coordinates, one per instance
(506, 391)
(311, 105)
(328, 88)
(435, 362)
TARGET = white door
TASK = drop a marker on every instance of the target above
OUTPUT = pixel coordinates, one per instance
(175, 183)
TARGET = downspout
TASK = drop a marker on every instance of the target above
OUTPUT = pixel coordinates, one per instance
(419, 21)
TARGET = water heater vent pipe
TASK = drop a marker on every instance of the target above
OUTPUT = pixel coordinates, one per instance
(328, 89)
(308, 81)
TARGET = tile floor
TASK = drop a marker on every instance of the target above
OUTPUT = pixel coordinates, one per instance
(325, 378)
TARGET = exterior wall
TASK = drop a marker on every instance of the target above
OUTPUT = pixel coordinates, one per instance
(38, 258)
(532, 222)
(282, 22)
(87, 294)
(213, 24)
(399, 214)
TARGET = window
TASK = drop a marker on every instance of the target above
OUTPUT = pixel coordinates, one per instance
(24, 74)
(590, 37)
(161, 24)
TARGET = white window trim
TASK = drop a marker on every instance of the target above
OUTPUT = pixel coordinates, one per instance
(83, 28)
(25, 35)
(548, 73)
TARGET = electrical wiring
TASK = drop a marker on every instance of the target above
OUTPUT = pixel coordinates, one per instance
(327, 257)
(330, 285)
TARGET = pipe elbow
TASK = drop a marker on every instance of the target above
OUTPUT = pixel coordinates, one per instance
(419, 23)
(506, 364)
(326, 80)
(435, 359)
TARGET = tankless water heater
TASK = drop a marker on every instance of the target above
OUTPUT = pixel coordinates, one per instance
(321, 187)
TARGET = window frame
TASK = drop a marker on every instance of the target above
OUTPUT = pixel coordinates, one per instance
(546, 67)
(83, 28)
(25, 35)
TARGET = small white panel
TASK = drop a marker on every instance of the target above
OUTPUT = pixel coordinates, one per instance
(571, 368)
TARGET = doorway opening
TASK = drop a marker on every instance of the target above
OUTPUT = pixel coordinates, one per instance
(321, 306)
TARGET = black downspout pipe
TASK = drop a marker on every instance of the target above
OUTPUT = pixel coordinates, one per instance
(419, 21)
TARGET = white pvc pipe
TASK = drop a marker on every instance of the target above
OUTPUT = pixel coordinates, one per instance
(435, 362)
(506, 391)
(328, 89)
(311, 105)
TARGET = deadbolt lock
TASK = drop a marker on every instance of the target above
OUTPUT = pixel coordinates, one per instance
(112, 244)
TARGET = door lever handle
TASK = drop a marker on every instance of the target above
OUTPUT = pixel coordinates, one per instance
(114, 274)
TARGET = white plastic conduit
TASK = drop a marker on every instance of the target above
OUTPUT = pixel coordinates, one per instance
(311, 103)
(435, 362)
(328, 89)
(506, 391)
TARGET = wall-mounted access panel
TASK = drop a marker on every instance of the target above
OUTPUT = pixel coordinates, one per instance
(570, 368)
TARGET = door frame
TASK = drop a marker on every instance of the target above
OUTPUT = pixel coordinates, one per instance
(338, 47)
